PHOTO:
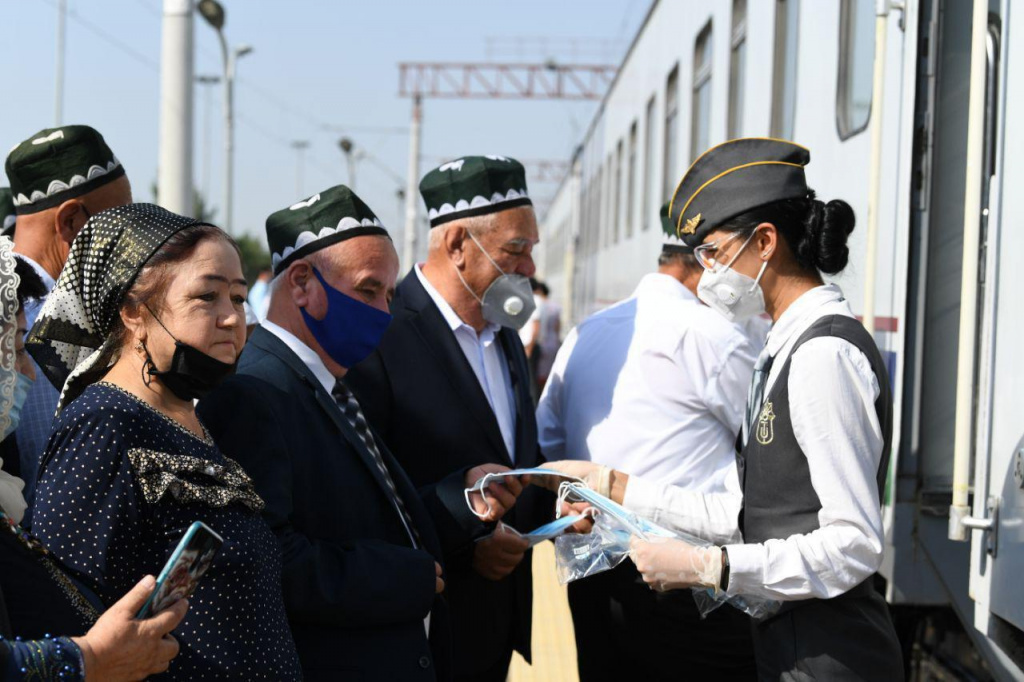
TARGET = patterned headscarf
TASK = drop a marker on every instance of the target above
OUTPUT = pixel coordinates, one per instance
(9, 281)
(70, 340)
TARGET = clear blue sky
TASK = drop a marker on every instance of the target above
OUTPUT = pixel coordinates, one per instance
(315, 62)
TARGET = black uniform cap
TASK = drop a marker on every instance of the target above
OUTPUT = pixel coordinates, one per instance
(735, 177)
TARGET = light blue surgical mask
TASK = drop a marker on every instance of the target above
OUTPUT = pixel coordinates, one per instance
(21, 388)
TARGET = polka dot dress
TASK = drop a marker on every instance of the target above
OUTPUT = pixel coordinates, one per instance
(120, 485)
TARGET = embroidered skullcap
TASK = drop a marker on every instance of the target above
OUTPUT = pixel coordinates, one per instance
(735, 177)
(7, 214)
(322, 220)
(70, 340)
(473, 186)
(58, 164)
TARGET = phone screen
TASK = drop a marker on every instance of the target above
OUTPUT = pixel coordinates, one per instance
(180, 575)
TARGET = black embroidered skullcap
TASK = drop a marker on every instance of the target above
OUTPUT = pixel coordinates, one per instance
(735, 177)
(69, 340)
(58, 164)
(472, 186)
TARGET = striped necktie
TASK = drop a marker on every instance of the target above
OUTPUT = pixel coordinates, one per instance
(354, 413)
(762, 368)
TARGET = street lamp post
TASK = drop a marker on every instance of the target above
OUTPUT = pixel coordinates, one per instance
(348, 147)
(213, 12)
(300, 147)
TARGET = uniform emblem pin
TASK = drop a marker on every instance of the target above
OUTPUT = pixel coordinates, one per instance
(765, 430)
(691, 224)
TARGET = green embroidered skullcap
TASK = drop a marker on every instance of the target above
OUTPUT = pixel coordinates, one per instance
(673, 244)
(473, 186)
(324, 219)
(58, 164)
(7, 214)
(735, 177)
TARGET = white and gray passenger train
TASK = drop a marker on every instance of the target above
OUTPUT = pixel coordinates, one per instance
(911, 111)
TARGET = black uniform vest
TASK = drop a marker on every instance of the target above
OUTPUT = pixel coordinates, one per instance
(849, 637)
(778, 498)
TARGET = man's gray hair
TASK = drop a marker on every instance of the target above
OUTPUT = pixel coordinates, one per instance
(478, 225)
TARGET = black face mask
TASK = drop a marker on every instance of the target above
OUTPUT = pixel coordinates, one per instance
(192, 373)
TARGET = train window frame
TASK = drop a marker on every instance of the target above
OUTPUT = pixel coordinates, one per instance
(701, 89)
(781, 96)
(650, 121)
(631, 181)
(670, 123)
(617, 192)
(737, 69)
(847, 23)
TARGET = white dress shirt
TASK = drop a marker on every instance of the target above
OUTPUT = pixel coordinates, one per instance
(483, 353)
(832, 393)
(654, 386)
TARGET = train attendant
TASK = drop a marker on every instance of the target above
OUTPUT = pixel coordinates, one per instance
(814, 450)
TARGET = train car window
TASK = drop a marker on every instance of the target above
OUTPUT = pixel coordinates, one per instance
(787, 13)
(617, 206)
(856, 66)
(700, 116)
(631, 182)
(671, 139)
(649, 160)
(737, 68)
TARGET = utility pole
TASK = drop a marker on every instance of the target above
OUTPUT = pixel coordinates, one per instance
(300, 153)
(58, 95)
(174, 176)
(412, 193)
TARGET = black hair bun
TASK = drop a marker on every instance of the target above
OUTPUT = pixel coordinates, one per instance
(828, 228)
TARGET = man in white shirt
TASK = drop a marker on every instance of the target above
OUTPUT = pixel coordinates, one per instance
(654, 386)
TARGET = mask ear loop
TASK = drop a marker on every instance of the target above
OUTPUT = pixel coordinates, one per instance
(760, 274)
(481, 487)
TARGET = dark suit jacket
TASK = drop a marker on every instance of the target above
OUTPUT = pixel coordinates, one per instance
(355, 590)
(422, 396)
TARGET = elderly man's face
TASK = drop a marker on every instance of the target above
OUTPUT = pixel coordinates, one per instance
(364, 268)
(510, 244)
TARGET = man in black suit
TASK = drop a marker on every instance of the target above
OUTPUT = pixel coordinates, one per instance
(448, 388)
(361, 546)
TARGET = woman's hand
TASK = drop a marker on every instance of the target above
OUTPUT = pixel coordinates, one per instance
(667, 564)
(121, 648)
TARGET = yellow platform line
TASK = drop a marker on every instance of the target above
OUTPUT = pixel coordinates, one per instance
(554, 646)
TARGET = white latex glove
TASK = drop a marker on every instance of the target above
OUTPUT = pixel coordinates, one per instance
(597, 477)
(668, 564)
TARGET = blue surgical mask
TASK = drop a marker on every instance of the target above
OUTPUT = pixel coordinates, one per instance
(21, 388)
(350, 330)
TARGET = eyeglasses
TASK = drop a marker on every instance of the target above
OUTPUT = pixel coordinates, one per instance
(707, 254)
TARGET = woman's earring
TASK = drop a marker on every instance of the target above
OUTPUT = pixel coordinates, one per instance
(140, 347)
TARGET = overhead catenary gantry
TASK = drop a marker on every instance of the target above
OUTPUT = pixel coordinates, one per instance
(486, 80)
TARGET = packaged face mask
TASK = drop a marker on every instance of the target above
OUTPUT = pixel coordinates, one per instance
(548, 531)
(607, 546)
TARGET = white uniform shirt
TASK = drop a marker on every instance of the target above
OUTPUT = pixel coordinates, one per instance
(654, 386)
(832, 393)
(484, 354)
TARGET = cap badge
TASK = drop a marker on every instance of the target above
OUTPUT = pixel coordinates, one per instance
(691, 224)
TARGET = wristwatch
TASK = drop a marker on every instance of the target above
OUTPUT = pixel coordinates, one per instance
(725, 570)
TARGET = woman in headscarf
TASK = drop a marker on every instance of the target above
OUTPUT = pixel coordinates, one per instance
(146, 317)
(36, 596)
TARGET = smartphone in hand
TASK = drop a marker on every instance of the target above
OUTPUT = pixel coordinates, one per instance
(180, 575)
